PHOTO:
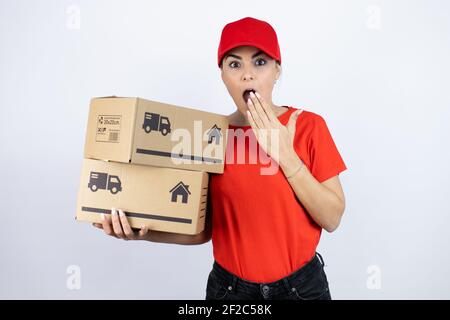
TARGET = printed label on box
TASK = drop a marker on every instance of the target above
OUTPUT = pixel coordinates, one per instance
(108, 128)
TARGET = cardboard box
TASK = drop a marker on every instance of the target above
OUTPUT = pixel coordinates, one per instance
(163, 199)
(134, 130)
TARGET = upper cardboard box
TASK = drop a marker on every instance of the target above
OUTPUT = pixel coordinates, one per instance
(135, 130)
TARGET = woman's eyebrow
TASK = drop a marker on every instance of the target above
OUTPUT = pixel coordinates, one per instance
(240, 58)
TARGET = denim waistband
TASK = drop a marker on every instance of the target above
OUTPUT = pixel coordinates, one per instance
(300, 273)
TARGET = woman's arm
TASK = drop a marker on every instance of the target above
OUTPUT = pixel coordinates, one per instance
(202, 237)
(118, 226)
(174, 238)
(325, 202)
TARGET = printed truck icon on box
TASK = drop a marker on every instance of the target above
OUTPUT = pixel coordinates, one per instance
(101, 180)
(154, 121)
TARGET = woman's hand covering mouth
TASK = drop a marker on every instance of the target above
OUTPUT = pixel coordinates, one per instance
(246, 94)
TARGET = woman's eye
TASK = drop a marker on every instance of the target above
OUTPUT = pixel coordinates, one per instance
(260, 60)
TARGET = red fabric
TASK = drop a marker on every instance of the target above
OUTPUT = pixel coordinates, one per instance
(261, 232)
(249, 32)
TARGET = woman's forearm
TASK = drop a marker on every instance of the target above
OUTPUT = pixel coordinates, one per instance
(323, 205)
(174, 238)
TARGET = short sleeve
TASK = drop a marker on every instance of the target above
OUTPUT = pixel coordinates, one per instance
(325, 159)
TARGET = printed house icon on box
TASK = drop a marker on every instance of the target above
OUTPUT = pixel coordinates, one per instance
(180, 189)
(214, 133)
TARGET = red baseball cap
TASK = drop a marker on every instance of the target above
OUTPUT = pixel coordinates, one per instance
(249, 32)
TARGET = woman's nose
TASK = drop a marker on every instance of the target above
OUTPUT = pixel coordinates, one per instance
(247, 75)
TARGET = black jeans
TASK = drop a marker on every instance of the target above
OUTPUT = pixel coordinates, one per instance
(307, 283)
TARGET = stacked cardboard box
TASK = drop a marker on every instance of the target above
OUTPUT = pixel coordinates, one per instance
(150, 159)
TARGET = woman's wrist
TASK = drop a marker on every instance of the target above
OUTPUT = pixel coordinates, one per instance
(291, 166)
(290, 176)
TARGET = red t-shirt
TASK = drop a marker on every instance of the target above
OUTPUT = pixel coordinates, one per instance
(261, 232)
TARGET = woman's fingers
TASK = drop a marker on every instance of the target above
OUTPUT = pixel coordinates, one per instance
(143, 233)
(129, 234)
(106, 225)
(292, 123)
(260, 114)
(267, 110)
(254, 113)
(116, 224)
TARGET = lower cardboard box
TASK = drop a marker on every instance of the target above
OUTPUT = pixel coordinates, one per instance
(163, 199)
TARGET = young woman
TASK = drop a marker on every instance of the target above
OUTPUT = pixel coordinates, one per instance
(267, 210)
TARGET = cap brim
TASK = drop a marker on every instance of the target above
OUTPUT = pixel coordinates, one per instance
(246, 43)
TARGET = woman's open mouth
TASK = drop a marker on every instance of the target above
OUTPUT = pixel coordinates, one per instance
(246, 94)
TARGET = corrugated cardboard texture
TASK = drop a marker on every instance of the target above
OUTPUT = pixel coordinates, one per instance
(155, 130)
(110, 129)
(163, 199)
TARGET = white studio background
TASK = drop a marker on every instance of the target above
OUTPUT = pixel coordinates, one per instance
(378, 71)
